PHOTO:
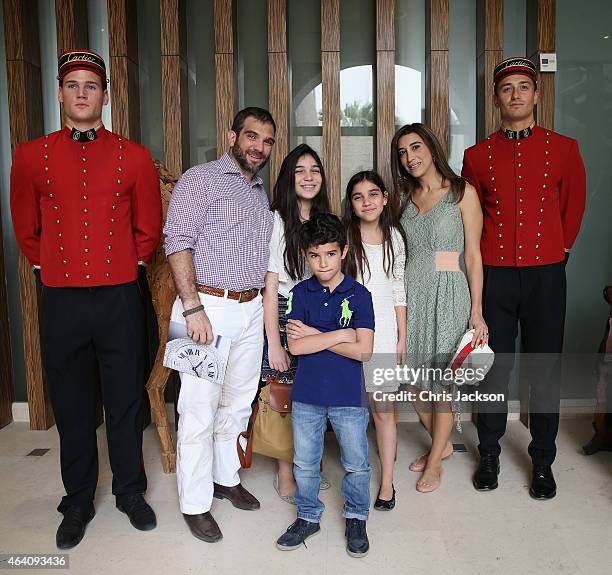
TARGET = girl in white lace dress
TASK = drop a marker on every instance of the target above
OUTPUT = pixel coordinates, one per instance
(377, 258)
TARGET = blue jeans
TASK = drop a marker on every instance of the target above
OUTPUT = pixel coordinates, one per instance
(350, 424)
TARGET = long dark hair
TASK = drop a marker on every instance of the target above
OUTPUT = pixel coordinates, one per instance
(285, 201)
(357, 259)
(405, 184)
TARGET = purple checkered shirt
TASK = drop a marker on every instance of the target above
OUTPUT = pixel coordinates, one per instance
(225, 221)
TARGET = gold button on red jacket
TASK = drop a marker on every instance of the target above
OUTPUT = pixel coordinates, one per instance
(532, 191)
(85, 212)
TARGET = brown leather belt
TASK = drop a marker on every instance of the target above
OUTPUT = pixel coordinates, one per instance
(239, 296)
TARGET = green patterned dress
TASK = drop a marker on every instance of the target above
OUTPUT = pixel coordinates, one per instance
(438, 302)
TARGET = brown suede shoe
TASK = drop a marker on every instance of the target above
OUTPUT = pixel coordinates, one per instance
(203, 526)
(238, 496)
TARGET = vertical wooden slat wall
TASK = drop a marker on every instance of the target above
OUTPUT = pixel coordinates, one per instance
(123, 67)
(541, 31)
(437, 69)
(7, 394)
(330, 74)
(385, 86)
(489, 52)
(26, 123)
(175, 104)
(224, 70)
(278, 83)
(71, 25)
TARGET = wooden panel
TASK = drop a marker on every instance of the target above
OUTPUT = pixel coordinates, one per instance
(385, 112)
(437, 116)
(26, 123)
(330, 25)
(7, 392)
(490, 42)
(385, 24)
(277, 26)
(278, 83)
(224, 28)
(123, 68)
(541, 33)
(224, 89)
(385, 86)
(546, 108)
(225, 80)
(330, 72)
(71, 25)
(330, 76)
(494, 24)
(437, 24)
(546, 25)
(487, 114)
(279, 108)
(175, 103)
(436, 86)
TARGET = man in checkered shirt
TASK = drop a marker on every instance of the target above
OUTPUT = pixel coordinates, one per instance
(217, 234)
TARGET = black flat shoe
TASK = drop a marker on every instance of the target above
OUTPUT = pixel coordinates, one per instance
(543, 484)
(383, 504)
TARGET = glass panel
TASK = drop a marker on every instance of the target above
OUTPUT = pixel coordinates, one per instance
(515, 28)
(357, 57)
(149, 75)
(462, 79)
(252, 49)
(201, 66)
(11, 252)
(48, 65)
(409, 61)
(97, 24)
(304, 54)
(583, 108)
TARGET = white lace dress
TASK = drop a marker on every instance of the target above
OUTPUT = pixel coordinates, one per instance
(387, 293)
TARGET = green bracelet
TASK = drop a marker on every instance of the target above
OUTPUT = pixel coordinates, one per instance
(195, 309)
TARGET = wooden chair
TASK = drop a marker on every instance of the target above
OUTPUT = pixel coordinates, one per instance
(602, 422)
(163, 294)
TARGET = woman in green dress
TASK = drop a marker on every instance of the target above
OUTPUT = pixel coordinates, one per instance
(442, 218)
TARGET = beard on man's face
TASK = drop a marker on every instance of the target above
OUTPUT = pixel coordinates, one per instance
(240, 156)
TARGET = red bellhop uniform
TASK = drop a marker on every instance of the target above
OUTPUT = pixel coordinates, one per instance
(532, 192)
(85, 212)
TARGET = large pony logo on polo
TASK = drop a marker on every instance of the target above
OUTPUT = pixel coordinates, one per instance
(289, 303)
(347, 313)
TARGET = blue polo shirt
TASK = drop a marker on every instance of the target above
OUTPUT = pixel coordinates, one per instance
(326, 378)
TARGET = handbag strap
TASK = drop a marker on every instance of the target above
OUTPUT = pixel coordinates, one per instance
(246, 455)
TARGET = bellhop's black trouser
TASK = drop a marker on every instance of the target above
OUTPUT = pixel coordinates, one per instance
(533, 297)
(84, 330)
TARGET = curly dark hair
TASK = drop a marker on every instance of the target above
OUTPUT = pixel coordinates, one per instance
(322, 229)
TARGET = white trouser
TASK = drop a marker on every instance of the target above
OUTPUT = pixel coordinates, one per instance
(212, 415)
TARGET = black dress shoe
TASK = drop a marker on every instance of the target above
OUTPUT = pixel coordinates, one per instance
(73, 525)
(384, 504)
(485, 478)
(237, 495)
(138, 510)
(543, 484)
(203, 526)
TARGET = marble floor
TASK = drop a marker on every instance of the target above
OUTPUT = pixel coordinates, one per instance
(454, 530)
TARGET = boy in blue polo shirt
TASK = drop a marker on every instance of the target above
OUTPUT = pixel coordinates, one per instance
(331, 328)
